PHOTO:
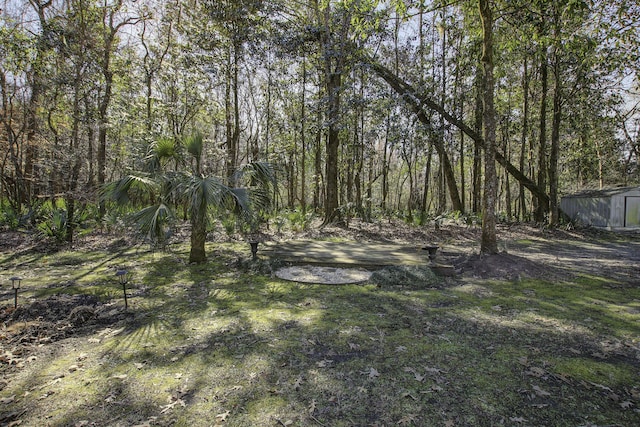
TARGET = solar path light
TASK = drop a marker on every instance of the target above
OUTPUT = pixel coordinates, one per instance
(254, 249)
(15, 284)
(123, 279)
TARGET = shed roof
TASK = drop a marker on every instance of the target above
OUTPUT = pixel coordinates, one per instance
(605, 192)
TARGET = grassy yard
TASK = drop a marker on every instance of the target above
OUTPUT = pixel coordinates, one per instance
(228, 344)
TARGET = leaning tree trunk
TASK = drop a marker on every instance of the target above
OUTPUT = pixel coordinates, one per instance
(419, 102)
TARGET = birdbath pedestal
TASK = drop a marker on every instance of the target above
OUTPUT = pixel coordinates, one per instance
(432, 250)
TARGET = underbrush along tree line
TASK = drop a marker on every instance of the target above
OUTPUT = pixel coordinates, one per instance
(376, 109)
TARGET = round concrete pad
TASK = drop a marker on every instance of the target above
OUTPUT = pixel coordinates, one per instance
(323, 275)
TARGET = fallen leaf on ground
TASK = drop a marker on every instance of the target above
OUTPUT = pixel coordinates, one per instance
(407, 394)
(534, 371)
(408, 419)
(171, 405)
(47, 394)
(118, 377)
(372, 372)
(416, 375)
(540, 392)
(223, 416)
(602, 387)
(6, 400)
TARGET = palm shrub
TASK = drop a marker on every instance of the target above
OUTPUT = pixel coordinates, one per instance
(156, 192)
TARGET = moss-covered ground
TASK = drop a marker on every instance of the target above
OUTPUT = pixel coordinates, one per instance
(225, 343)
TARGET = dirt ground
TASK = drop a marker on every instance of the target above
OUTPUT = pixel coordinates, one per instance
(526, 251)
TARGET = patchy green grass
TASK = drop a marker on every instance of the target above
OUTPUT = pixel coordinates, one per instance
(225, 344)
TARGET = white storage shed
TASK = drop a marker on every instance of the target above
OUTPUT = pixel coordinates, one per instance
(615, 208)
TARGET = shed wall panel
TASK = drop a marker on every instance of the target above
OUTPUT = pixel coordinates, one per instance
(617, 211)
(594, 211)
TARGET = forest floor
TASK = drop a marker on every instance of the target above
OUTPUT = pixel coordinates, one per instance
(547, 332)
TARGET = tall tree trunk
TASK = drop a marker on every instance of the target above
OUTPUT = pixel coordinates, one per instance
(370, 179)
(75, 158)
(103, 119)
(542, 206)
(232, 112)
(427, 174)
(27, 176)
(333, 86)
(385, 165)
(267, 131)
(476, 171)
(317, 163)
(448, 175)
(525, 131)
(360, 150)
(554, 213)
(442, 154)
(488, 243)
(111, 30)
(333, 44)
(303, 139)
(507, 183)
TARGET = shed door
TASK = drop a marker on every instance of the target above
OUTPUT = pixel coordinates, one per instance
(632, 212)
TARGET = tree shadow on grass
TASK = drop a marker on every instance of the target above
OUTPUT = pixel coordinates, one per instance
(240, 349)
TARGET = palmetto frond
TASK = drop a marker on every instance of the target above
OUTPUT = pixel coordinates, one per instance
(131, 188)
(194, 145)
(261, 183)
(153, 221)
(258, 174)
(211, 192)
(163, 151)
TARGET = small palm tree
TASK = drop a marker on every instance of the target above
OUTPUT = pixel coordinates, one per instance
(159, 192)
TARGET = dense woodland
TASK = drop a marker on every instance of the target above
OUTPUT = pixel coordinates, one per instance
(478, 109)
